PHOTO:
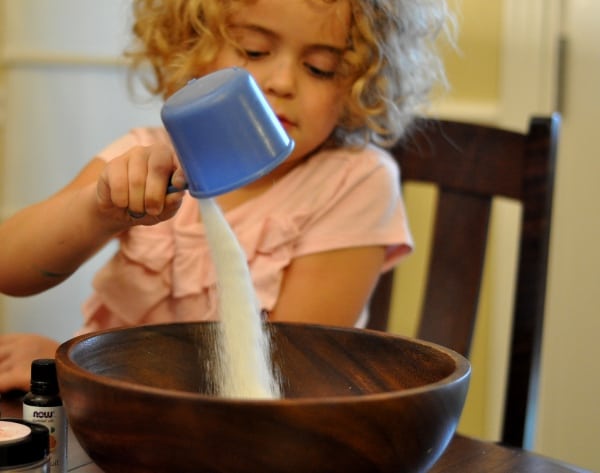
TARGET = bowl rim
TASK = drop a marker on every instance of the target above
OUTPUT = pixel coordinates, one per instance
(460, 374)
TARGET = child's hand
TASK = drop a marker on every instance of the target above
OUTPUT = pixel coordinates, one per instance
(17, 351)
(133, 186)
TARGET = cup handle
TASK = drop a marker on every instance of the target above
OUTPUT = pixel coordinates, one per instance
(171, 188)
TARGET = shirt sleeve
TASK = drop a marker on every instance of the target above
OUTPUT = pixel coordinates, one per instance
(365, 208)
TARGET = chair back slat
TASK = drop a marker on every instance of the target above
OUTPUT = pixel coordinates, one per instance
(455, 269)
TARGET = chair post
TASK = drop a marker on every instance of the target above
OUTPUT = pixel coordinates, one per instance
(521, 411)
(380, 303)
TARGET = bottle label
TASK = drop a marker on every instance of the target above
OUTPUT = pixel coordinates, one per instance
(55, 420)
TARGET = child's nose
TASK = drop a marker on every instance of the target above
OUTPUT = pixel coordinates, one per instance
(281, 79)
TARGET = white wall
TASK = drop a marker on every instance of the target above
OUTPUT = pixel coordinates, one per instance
(66, 97)
(570, 396)
(569, 411)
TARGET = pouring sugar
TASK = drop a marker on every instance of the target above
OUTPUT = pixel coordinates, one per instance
(244, 368)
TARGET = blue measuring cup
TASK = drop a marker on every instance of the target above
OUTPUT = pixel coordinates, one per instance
(224, 132)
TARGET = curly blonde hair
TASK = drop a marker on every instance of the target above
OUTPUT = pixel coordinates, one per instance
(392, 60)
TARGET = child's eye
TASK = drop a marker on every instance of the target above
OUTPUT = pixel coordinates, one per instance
(320, 73)
(252, 54)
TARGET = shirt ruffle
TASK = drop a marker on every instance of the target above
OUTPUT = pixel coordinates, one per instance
(167, 270)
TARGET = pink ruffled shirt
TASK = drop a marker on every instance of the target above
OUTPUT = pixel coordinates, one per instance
(164, 273)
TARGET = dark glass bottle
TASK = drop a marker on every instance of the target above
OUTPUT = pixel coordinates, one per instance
(43, 405)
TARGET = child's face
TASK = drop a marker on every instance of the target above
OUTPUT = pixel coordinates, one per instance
(293, 49)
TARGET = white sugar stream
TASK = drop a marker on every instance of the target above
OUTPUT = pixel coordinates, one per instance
(244, 368)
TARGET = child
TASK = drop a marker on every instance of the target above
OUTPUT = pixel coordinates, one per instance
(342, 76)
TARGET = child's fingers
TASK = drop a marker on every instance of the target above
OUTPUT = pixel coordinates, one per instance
(137, 177)
(134, 185)
(178, 179)
(161, 165)
(113, 186)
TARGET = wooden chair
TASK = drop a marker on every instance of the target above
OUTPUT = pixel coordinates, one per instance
(470, 165)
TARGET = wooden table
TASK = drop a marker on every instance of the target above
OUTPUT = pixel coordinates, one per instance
(464, 455)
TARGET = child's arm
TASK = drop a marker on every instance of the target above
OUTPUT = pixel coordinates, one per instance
(45, 243)
(330, 287)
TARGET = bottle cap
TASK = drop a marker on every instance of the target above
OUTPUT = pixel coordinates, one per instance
(43, 376)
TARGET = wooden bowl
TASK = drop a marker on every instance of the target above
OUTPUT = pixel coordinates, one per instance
(355, 401)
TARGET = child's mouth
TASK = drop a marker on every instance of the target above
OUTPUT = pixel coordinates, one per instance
(285, 122)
